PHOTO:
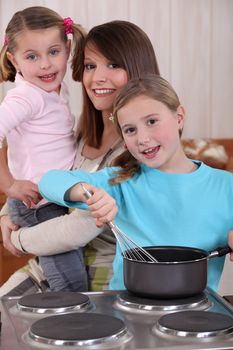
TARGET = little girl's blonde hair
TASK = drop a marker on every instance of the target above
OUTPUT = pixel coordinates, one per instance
(34, 18)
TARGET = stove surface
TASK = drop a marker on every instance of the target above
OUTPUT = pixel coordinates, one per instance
(141, 326)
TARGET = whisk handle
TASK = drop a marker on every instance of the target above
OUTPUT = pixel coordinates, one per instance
(86, 193)
(111, 224)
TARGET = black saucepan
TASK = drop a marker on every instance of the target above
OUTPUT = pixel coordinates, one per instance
(180, 272)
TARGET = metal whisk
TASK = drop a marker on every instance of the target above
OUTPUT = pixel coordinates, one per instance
(129, 248)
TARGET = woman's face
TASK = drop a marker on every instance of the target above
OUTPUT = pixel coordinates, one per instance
(102, 79)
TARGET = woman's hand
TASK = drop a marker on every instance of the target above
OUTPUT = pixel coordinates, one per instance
(230, 243)
(7, 227)
(102, 206)
(24, 190)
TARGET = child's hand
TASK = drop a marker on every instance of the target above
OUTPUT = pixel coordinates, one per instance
(102, 206)
(7, 227)
(24, 190)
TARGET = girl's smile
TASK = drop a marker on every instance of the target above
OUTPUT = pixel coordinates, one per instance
(150, 153)
(48, 78)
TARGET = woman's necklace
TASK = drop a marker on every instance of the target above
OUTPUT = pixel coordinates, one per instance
(111, 118)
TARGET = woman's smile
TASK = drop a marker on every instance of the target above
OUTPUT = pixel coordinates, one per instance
(103, 92)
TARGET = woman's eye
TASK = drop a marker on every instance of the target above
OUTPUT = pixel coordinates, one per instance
(89, 66)
(113, 65)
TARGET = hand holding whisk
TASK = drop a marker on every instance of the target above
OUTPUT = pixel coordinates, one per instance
(130, 249)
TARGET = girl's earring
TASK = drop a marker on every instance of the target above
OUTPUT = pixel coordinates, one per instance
(125, 146)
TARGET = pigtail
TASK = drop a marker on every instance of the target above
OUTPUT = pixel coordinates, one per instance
(77, 53)
(7, 70)
(129, 166)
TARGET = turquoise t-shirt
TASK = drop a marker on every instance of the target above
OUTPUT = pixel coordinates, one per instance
(158, 208)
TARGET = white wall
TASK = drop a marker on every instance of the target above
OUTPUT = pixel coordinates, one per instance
(193, 40)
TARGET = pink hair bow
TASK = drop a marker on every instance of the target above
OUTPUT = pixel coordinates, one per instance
(68, 25)
(5, 41)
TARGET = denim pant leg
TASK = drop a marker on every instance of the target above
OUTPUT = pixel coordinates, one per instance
(27, 217)
(20, 214)
(66, 271)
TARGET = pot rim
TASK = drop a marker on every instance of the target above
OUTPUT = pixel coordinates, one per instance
(218, 252)
(183, 248)
(166, 262)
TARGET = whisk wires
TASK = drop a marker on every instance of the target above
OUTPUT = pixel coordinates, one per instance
(130, 249)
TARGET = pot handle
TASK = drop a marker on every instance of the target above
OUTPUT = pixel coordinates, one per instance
(221, 251)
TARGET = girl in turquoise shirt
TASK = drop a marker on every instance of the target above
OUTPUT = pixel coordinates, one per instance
(156, 194)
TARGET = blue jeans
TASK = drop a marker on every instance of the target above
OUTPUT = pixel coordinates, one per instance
(26, 217)
(64, 272)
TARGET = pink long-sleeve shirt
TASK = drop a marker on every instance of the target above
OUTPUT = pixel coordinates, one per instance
(38, 126)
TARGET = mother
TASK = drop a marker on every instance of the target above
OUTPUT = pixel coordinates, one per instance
(114, 52)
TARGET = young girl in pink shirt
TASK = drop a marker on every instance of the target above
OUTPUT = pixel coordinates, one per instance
(35, 117)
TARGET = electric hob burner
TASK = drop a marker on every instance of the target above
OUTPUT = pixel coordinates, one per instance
(198, 324)
(54, 302)
(132, 303)
(78, 330)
